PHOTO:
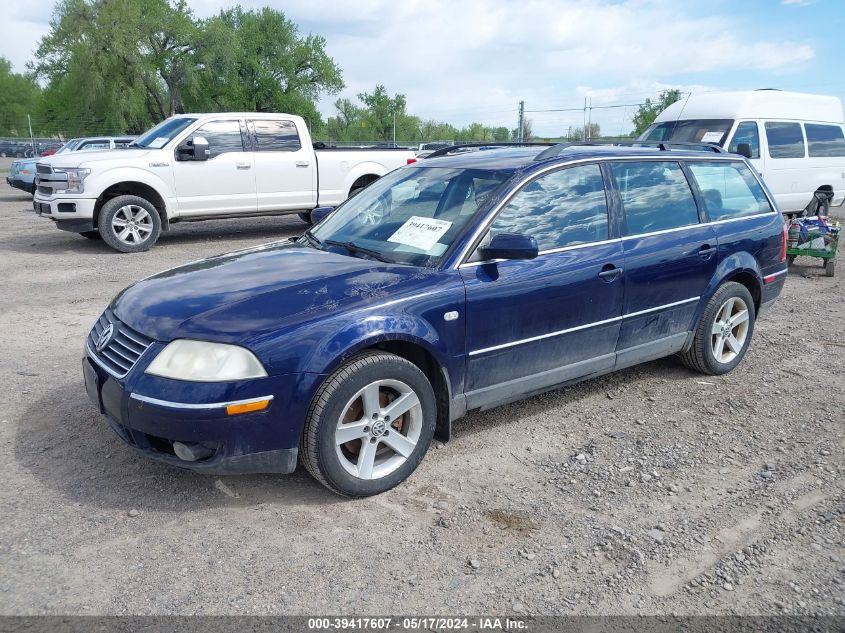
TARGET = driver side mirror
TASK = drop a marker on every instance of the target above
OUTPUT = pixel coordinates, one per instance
(193, 148)
(320, 213)
(744, 149)
(510, 246)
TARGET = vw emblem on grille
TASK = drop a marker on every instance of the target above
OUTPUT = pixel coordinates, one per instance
(105, 337)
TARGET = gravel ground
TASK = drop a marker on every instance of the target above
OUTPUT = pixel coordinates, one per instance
(654, 490)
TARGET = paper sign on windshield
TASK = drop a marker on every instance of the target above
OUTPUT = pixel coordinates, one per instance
(161, 141)
(422, 233)
(711, 137)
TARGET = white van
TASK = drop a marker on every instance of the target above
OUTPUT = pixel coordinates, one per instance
(795, 140)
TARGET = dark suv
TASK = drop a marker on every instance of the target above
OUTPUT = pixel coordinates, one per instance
(453, 284)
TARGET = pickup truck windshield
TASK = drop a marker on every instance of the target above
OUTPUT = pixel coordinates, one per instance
(689, 131)
(410, 216)
(162, 133)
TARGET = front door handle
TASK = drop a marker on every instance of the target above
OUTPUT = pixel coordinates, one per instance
(706, 251)
(302, 163)
(610, 272)
(243, 165)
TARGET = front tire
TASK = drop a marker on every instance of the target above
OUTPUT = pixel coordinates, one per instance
(369, 425)
(724, 331)
(129, 224)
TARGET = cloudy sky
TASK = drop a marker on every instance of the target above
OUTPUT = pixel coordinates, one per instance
(474, 60)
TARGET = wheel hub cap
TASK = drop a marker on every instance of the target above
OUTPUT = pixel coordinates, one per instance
(378, 428)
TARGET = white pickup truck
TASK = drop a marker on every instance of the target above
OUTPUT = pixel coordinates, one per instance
(201, 167)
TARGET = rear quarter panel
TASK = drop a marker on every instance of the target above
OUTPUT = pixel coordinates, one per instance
(340, 169)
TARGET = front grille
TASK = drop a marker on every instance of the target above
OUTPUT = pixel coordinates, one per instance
(122, 351)
(40, 168)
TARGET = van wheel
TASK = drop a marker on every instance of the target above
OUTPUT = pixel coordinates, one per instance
(369, 425)
(91, 235)
(305, 216)
(724, 331)
(129, 224)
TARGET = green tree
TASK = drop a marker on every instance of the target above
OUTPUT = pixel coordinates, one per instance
(577, 133)
(379, 110)
(18, 97)
(258, 61)
(649, 110)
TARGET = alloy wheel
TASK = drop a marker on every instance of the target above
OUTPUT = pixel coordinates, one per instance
(730, 330)
(132, 224)
(379, 429)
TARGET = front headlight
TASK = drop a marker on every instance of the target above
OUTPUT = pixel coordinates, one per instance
(200, 361)
(75, 179)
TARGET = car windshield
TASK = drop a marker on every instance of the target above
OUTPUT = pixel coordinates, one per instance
(411, 216)
(162, 133)
(69, 146)
(689, 131)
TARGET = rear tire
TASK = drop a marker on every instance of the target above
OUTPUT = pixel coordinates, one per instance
(305, 216)
(724, 331)
(129, 224)
(386, 408)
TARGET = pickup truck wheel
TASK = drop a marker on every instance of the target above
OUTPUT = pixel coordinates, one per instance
(91, 235)
(129, 224)
(724, 331)
(369, 425)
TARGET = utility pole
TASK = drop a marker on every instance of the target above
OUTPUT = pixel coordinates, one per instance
(31, 139)
(584, 129)
(521, 124)
(394, 129)
(588, 132)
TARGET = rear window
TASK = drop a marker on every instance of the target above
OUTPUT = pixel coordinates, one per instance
(729, 189)
(785, 140)
(655, 195)
(276, 136)
(825, 140)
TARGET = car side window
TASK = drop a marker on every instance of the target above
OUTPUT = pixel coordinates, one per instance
(276, 136)
(729, 189)
(655, 196)
(825, 140)
(785, 139)
(747, 132)
(222, 137)
(563, 208)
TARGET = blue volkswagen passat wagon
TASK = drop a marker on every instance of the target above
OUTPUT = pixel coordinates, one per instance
(453, 284)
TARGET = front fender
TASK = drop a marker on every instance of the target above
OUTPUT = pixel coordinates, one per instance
(100, 182)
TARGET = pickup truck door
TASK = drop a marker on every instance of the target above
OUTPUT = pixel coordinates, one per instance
(223, 184)
(285, 170)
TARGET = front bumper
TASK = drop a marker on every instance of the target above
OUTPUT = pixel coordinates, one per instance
(259, 442)
(69, 214)
(18, 183)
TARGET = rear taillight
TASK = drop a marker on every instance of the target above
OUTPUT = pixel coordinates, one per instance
(783, 242)
(411, 160)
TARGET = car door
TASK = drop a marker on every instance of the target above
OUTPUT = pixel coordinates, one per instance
(223, 184)
(285, 172)
(748, 132)
(670, 257)
(531, 324)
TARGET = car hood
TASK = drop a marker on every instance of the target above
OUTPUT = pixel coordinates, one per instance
(242, 296)
(81, 159)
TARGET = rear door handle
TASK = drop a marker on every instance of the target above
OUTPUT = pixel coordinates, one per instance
(243, 165)
(610, 272)
(302, 163)
(706, 251)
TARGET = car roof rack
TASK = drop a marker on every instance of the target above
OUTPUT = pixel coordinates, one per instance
(475, 147)
(663, 146)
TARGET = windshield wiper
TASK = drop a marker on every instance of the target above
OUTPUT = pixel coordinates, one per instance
(312, 239)
(354, 248)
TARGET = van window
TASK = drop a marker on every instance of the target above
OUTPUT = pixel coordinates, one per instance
(747, 132)
(729, 189)
(825, 140)
(689, 131)
(785, 140)
(563, 208)
(655, 195)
